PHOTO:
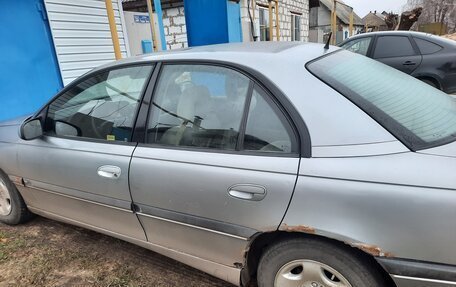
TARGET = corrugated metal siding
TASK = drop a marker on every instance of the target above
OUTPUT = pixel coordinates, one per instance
(82, 39)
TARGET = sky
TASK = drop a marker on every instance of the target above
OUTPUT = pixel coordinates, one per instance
(363, 7)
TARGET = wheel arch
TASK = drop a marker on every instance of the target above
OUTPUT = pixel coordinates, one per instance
(261, 241)
(431, 78)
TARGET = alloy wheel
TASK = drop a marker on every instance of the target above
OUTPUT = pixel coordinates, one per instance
(309, 273)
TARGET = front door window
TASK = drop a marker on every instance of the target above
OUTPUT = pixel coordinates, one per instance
(100, 107)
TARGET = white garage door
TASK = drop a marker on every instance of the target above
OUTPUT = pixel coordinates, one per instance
(82, 39)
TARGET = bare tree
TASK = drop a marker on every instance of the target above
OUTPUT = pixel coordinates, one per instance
(436, 11)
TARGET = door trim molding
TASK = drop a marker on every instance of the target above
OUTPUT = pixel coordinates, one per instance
(192, 226)
(210, 225)
(87, 197)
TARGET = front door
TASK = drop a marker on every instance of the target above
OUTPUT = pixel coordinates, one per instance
(219, 163)
(78, 171)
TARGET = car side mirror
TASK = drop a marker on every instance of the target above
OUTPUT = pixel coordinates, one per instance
(31, 129)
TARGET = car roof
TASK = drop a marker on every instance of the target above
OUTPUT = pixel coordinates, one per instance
(235, 53)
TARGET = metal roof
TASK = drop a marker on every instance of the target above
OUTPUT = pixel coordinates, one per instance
(343, 12)
(141, 5)
(374, 19)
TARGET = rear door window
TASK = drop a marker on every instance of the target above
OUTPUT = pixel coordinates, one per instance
(199, 106)
(218, 108)
(267, 129)
(393, 46)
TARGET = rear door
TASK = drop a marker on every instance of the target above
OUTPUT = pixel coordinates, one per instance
(219, 163)
(398, 52)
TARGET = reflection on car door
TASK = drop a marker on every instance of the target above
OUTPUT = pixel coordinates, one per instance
(397, 52)
(199, 185)
(78, 171)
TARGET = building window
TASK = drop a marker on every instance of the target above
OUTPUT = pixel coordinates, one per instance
(295, 27)
(264, 24)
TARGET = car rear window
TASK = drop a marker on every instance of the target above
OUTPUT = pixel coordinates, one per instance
(417, 114)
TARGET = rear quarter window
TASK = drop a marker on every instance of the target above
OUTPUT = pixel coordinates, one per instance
(427, 47)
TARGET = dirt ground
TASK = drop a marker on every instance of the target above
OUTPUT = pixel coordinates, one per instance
(47, 253)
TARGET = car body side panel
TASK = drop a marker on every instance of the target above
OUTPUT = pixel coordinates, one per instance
(392, 205)
(8, 150)
(441, 67)
(186, 192)
(118, 220)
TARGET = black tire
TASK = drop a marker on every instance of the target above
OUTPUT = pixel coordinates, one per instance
(19, 212)
(351, 265)
(430, 83)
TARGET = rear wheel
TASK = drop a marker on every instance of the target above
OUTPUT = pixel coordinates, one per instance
(12, 207)
(315, 263)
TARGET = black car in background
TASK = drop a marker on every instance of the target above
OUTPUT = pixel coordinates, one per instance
(429, 58)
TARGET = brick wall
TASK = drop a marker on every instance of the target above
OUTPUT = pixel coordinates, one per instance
(286, 9)
(175, 29)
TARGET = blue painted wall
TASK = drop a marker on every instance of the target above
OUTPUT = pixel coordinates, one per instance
(29, 74)
(234, 22)
(212, 22)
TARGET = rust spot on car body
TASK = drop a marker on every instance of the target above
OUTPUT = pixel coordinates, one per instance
(372, 250)
(298, 228)
(16, 180)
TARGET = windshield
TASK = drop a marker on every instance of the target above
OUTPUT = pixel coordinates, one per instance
(417, 114)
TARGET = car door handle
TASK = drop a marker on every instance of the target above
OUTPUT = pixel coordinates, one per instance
(409, 63)
(109, 171)
(247, 192)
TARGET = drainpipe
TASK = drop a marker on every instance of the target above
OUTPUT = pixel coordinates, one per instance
(113, 28)
(254, 10)
(271, 26)
(158, 10)
(152, 25)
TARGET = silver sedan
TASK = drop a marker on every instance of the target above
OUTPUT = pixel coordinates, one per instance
(284, 164)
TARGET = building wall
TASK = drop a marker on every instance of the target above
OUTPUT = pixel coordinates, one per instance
(81, 35)
(175, 28)
(286, 9)
(320, 19)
